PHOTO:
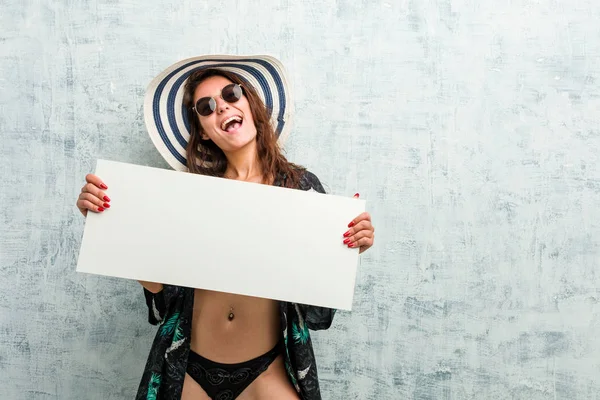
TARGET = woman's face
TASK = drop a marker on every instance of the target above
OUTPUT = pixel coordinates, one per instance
(230, 125)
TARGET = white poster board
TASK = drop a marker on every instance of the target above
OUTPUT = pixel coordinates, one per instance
(218, 234)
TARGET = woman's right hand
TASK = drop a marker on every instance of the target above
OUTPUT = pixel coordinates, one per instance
(92, 196)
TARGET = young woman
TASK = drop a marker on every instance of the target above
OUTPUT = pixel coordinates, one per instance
(213, 345)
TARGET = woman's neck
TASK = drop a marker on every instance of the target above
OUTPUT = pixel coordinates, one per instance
(244, 165)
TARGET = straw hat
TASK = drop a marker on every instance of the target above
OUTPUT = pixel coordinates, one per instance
(167, 121)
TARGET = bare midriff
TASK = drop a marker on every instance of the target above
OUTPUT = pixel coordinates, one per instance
(231, 329)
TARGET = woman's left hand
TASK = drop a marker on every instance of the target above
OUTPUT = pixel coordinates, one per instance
(361, 233)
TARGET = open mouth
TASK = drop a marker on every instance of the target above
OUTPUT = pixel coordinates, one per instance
(232, 123)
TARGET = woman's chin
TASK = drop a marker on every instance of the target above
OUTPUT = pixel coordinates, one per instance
(237, 141)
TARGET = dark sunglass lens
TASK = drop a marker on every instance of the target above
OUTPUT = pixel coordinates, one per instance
(205, 106)
(232, 93)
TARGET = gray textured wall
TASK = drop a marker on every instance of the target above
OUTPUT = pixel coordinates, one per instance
(472, 127)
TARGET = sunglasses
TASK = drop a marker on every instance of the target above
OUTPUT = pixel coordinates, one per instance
(207, 105)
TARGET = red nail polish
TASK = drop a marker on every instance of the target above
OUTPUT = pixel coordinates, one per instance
(351, 224)
(106, 198)
(100, 209)
(347, 241)
(103, 186)
(351, 245)
(347, 234)
(106, 205)
(357, 195)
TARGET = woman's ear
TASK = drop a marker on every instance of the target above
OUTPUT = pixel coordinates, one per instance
(203, 134)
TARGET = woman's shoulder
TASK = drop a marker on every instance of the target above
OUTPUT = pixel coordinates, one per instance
(309, 180)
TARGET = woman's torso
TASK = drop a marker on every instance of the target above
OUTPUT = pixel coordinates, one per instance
(253, 331)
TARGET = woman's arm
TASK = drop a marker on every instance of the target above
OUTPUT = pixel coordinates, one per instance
(360, 235)
(152, 287)
(159, 298)
(315, 318)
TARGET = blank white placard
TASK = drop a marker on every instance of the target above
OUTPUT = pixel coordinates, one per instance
(218, 234)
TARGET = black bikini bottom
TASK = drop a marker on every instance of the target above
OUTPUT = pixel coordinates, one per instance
(227, 381)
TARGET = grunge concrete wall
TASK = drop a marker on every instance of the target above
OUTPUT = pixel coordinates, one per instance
(471, 127)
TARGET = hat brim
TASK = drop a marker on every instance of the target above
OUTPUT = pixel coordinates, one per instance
(166, 118)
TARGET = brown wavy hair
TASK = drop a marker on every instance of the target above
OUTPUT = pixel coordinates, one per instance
(210, 159)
